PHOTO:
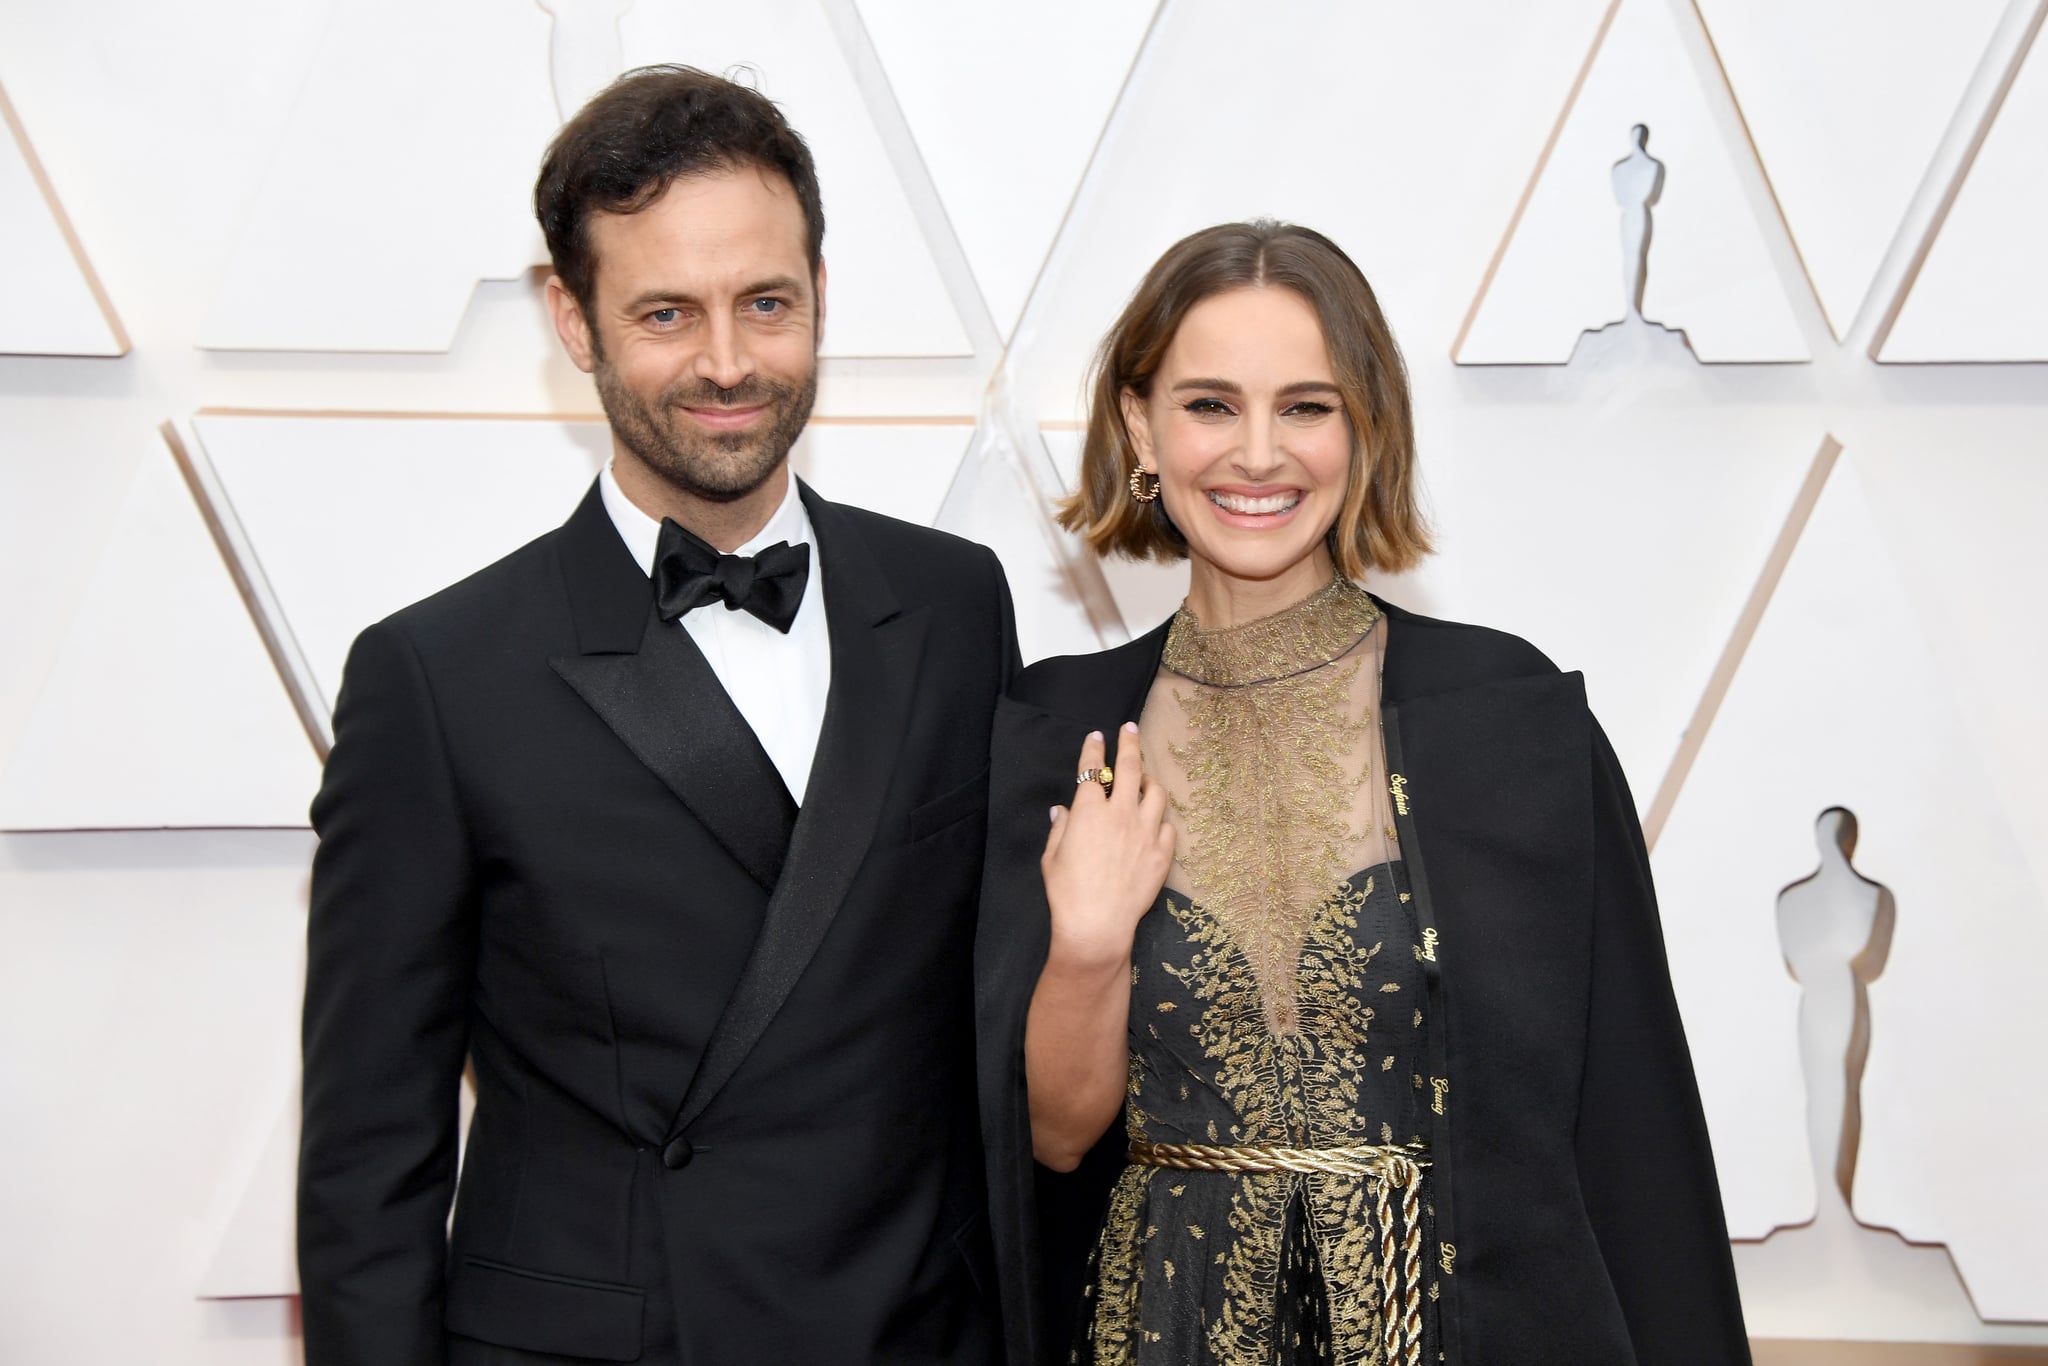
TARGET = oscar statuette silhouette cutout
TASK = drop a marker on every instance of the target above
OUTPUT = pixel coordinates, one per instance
(1638, 185)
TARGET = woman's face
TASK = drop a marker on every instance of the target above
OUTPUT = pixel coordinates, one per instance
(1245, 427)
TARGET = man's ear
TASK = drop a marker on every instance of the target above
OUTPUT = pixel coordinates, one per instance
(818, 287)
(571, 325)
(1138, 423)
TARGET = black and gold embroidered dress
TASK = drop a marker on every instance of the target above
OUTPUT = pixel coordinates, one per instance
(1275, 1210)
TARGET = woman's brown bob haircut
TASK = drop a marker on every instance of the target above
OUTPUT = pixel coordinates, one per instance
(1378, 527)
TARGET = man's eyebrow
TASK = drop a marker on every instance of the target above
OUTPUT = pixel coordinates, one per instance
(652, 297)
(660, 296)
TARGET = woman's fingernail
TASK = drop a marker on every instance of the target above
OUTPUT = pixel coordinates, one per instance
(1054, 814)
(1094, 735)
(1130, 727)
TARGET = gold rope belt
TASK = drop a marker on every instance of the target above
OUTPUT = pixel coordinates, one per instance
(1390, 1168)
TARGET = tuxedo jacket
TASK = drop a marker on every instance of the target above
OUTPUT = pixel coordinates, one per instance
(721, 1046)
(1579, 1218)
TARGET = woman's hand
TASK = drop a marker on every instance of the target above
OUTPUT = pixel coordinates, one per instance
(1104, 864)
(1106, 858)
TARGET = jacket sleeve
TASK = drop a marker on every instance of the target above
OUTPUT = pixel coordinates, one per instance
(1645, 1166)
(1006, 624)
(1044, 1222)
(391, 946)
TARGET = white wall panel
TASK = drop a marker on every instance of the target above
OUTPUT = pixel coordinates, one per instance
(54, 305)
(162, 707)
(1982, 294)
(149, 1001)
(1959, 499)
(258, 1255)
(1710, 267)
(902, 469)
(1847, 100)
(1007, 103)
(64, 468)
(1841, 701)
(1000, 497)
(353, 518)
(403, 177)
(885, 295)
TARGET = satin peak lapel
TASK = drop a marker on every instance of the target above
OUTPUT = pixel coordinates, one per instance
(669, 708)
(876, 649)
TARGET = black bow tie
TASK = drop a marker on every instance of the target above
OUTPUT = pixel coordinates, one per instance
(689, 572)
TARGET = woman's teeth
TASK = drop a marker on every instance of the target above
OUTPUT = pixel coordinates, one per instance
(1272, 502)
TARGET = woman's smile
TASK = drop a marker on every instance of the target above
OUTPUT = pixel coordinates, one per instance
(1256, 509)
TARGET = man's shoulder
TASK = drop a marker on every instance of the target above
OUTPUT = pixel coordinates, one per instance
(892, 536)
(504, 591)
(918, 559)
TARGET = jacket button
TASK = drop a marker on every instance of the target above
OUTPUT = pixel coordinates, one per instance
(677, 1154)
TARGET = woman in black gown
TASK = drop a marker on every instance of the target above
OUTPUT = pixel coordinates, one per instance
(1261, 1085)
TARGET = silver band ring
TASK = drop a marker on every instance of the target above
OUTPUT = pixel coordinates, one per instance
(1104, 775)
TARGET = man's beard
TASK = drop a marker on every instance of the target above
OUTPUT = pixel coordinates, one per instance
(718, 467)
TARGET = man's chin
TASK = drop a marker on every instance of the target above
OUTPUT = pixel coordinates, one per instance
(732, 488)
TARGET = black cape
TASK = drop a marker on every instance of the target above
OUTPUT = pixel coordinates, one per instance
(1579, 1218)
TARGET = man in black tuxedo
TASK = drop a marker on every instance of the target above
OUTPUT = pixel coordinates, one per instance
(671, 823)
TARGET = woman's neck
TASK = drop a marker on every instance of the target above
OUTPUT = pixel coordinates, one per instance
(1221, 600)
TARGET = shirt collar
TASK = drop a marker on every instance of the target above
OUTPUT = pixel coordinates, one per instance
(642, 534)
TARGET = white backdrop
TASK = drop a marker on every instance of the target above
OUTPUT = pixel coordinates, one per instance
(1798, 574)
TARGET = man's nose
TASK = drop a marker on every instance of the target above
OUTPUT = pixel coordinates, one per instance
(723, 359)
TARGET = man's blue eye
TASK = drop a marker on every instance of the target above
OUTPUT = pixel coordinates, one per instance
(767, 305)
(665, 315)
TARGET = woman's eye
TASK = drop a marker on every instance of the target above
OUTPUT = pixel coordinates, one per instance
(1309, 408)
(1207, 407)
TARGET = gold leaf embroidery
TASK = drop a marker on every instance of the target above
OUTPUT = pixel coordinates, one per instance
(1269, 772)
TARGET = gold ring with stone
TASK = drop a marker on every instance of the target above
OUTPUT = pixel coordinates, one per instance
(1104, 775)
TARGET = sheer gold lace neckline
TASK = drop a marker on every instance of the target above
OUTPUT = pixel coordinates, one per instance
(1319, 629)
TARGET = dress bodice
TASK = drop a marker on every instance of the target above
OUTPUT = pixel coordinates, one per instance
(1205, 1066)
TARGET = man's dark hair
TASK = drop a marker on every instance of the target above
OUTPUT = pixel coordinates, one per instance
(646, 129)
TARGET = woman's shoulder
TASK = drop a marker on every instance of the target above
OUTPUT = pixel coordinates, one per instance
(1430, 654)
(1062, 682)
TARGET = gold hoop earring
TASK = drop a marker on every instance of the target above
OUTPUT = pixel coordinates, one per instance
(1140, 493)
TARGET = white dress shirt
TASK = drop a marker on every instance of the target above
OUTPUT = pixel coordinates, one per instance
(778, 681)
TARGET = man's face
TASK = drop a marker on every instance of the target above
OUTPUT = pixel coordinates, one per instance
(703, 331)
